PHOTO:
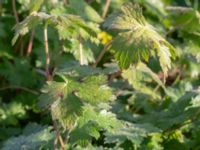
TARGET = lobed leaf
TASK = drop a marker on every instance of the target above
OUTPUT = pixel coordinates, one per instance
(137, 39)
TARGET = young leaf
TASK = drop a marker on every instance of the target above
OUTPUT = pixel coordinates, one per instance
(68, 26)
(137, 39)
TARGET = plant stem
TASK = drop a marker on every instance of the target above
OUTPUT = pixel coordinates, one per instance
(1, 8)
(46, 46)
(17, 21)
(67, 135)
(81, 51)
(100, 56)
(21, 46)
(196, 4)
(15, 11)
(58, 137)
(66, 2)
(30, 45)
(20, 88)
(105, 9)
(55, 143)
(89, 1)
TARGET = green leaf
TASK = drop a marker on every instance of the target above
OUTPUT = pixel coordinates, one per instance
(28, 24)
(17, 72)
(186, 21)
(31, 141)
(35, 5)
(67, 25)
(70, 26)
(156, 8)
(87, 53)
(140, 76)
(177, 113)
(185, 18)
(93, 89)
(91, 123)
(10, 113)
(66, 111)
(66, 98)
(52, 92)
(137, 39)
(133, 132)
(155, 142)
(81, 8)
(74, 69)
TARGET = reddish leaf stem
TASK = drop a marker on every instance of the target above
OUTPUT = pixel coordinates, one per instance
(30, 45)
(15, 11)
(17, 21)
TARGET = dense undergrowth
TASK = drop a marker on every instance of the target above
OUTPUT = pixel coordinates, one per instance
(99, 74)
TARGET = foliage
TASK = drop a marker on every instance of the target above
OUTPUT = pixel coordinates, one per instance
(137, 38)
(34, 137)
(91, 74)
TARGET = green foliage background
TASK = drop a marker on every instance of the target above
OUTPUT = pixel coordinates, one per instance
(143, 93)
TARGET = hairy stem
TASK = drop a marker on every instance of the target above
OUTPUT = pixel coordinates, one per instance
(30, 45)
(46, 46)
(105, 9)
(81, 51)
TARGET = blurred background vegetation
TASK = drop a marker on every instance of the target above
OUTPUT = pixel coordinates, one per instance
(154, 111)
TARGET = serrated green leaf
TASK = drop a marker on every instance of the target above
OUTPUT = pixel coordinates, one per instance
(35, 5)
(186, 21)
(133, 132)
(11, 113)
(91, 123)
(137, 39)
(185, 18)
(31, 141)
(66, 98)
(66, 111)
(81, 8)
(17, 72)
(139, 76)
(53, 91)
(67, 25)
(94, 90)
(178, 113)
